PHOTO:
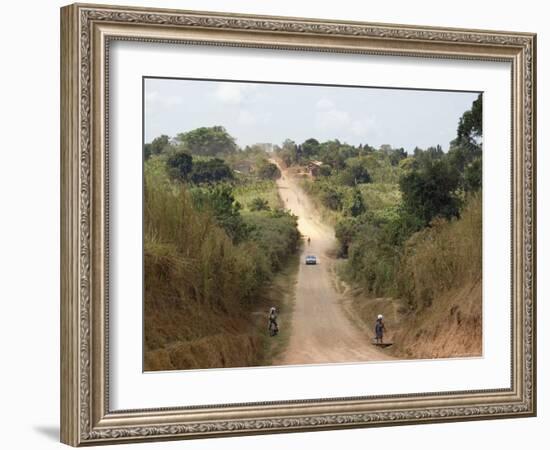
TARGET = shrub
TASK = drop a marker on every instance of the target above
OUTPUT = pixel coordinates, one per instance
(220, 202)
(430, 192)
(210, 171)
(268, 171)
(180, 164)
(258, 204)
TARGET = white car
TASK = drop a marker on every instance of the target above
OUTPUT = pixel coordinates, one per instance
(310, 259)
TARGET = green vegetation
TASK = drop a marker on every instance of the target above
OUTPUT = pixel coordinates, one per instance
(253, 190)
(216, 237)
(205, 141)
(405, 223)
(208, 258)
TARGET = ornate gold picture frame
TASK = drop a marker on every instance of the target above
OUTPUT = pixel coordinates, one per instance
(87, 32)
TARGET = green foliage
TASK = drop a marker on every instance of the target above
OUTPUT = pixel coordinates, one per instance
(219, 201)
(310, 148)
(207, 141)
(425, 158)
(157, 146)
(466, 150)
(246, 189)
(333, 154)
(397, 155)
(276, 235)
(380, 167)
(380, 196)
(210, 171)
(427, 230)
(372, 259)
(180, 164)
(332, 198)
(473, 176)
(259, 204)
(355, 205)
(190, 245)
(267, 170)
(430, 192)
(356, 171)
(345, 231)
(441, 257)
(325, 170)
(470, 126)
(289, 152)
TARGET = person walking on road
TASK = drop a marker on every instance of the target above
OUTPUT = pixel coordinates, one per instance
(379, 329)
(273, 326)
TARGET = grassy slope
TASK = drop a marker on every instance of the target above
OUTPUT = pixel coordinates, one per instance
(441, 314)
(206, 298)
(442, 272)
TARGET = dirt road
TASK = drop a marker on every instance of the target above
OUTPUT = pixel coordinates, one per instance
(321, 332)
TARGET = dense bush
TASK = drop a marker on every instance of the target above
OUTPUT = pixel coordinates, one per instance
(259, 204)
(158, 146)
(267, 170)
(210, 171)
(418, 225)
(219, 201)
(179, 164)
(276, 234)
(200, 233)
(207, 141)
(430, 191)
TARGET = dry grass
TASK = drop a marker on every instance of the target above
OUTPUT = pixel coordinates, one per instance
(439, 313)
(201, 289)
(442, 257)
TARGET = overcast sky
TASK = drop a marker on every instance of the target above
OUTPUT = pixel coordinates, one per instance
(254, 113)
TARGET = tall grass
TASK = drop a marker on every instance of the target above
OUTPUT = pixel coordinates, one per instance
(200, 287)
(433, 260)
(443, 256)
(429, 291)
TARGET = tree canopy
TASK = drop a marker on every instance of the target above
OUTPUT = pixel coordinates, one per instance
(207, 141)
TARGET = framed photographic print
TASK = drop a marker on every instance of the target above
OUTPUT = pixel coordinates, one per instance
(276, 224)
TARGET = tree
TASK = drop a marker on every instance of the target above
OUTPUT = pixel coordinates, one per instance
(210, 171)
(470, 126)
(220, 201)
(355, 205)
(345, 231)
(159, 145)
(207, 141)
(467, 147)
(310, 148)
(289, 152)
(396, 155)
(331, 198)
(179, 164)
(268, 171)
(330, 153)
(473, 176)
(430, 191)
(356, 171)
(325, 170)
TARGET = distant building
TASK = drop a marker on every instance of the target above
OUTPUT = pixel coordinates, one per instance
(265, 146)
(311, 169)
